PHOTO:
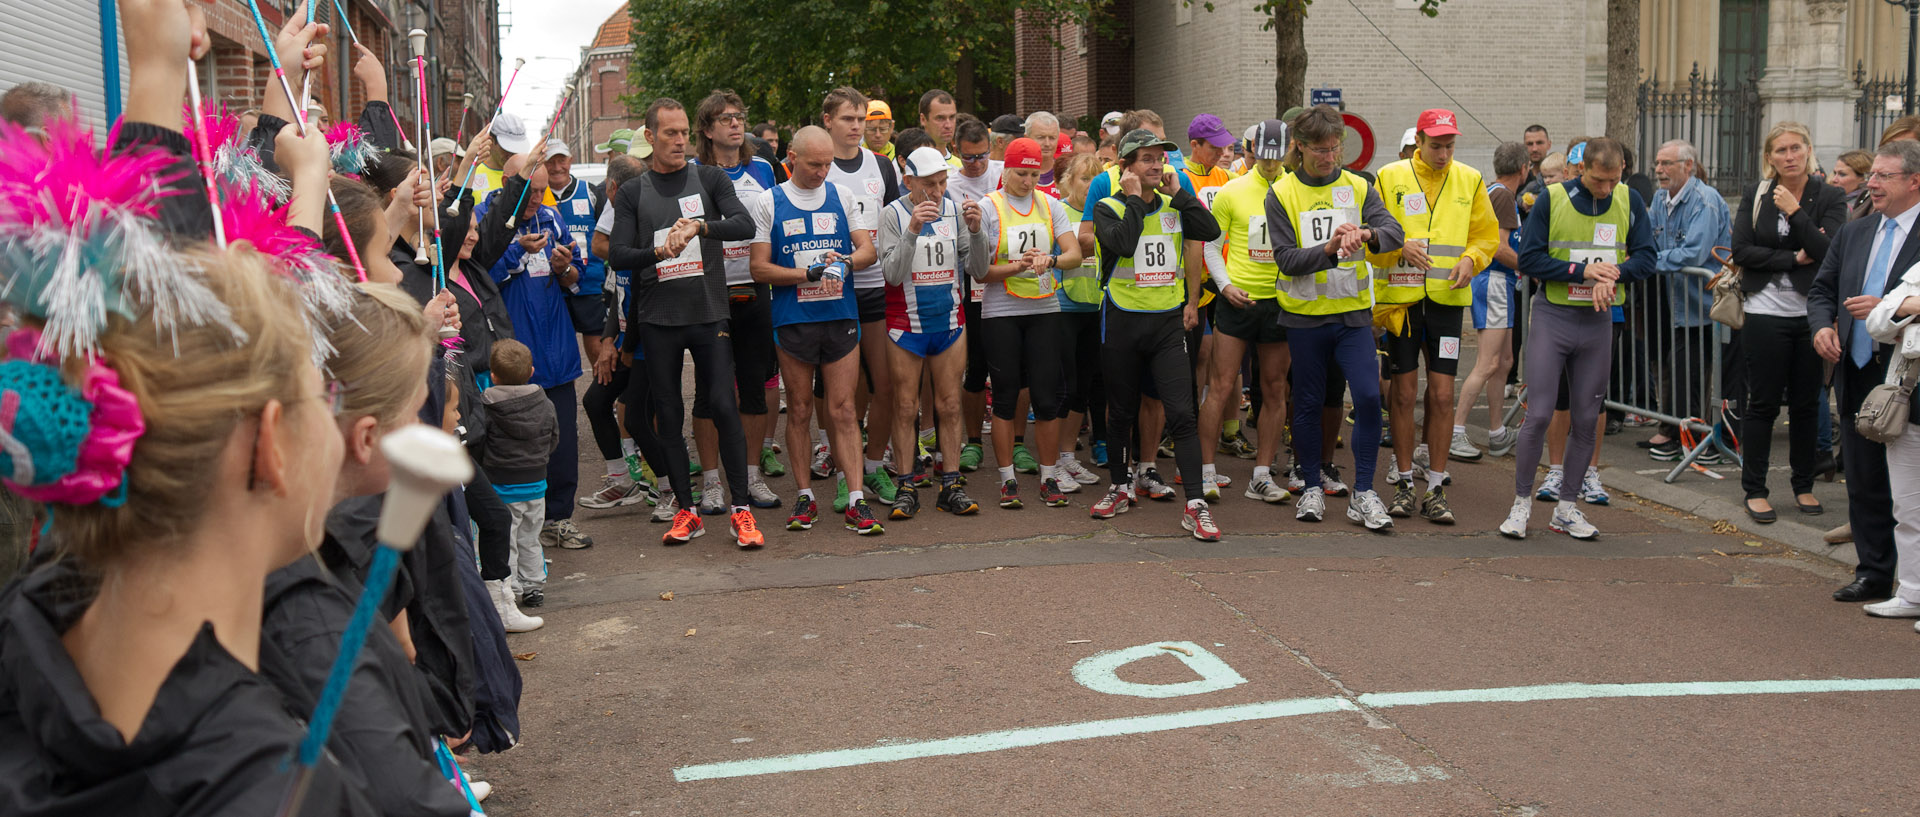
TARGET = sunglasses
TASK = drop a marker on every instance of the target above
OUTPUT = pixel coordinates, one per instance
(974, 157)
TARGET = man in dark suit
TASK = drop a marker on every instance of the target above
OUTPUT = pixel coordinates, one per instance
(1864, 262)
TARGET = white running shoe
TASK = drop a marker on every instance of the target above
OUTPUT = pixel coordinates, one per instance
(1550, 487)
(617, 490)
(1079, 473)
(1366, 508)
(1312, 506)
(1265, 491)
(1516, 525)
(1065, 481)
(511, 619)
(1209, 489)
(1591, 491)
(1895, 607)
(1462, 448)
(1330, 480)
(713, 497)
(762, 496)
(822, 462)
(1501, 442)
(1572, 523)
(669, 505)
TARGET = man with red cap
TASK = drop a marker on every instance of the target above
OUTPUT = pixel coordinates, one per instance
(1423, 288)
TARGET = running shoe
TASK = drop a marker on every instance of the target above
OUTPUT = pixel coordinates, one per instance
(1312, 506)
(882, 485)
(1330, 480)
(760, 496)
(713, 498)
(1515, 526)
(1403, 501)
(664, 510)
(920, 478)
(822, 462)
(906, 503)
(1199, 521)
(804, 512)
(1023, 461)
(1500, 441)
(1463, 449)
(1051, 495)
(1550, 487)
(1237, 445)
(565, 535)
(1265, 491)
(1433, 507)
(1209, 488)
(954, 500)
(1365, 507)
(1422, 458)
(1166, 447)
(686, 528)
(860, 520)
(1117, 501)
(1666, 451)
(1393, 469)
(970, 457)
(1099, 453)
(770, 463)
(746, 532)
(1592, 492)
(840, 494)
(1572, 522)
(1010, 495)
(1149, 485)
(616, 491)
(1079, 473)
(1065, 481)
(637, 470)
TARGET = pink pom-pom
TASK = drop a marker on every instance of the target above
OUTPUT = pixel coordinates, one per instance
(220, 125)
(67, 180)
(250, 215)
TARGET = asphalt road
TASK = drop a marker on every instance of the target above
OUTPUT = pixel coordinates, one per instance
(932, 670)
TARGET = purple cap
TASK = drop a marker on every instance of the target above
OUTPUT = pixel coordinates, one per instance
(1208, 127)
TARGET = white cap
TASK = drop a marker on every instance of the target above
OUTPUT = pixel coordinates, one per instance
(640, 147)
(924, 161)
(1111, 122)
(557, 147)
(442, 145)
(511, 134)
(1409, 139)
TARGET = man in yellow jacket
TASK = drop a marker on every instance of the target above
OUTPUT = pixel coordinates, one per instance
(1421, 293)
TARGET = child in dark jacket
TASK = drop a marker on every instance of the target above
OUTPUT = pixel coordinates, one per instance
(522, 433)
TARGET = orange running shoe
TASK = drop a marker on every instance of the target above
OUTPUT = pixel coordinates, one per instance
(686, 527)
(746, 533)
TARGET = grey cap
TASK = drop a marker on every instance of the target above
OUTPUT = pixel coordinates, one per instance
(511, 134)
(1269, 140)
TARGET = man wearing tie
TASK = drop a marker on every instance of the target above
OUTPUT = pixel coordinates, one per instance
(1865, 261)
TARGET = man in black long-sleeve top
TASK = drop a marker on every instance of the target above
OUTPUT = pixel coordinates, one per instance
(668, 226)
(1865, 261)
(1148, 231)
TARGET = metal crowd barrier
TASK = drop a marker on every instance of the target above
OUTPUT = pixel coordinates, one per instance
(1669, 364)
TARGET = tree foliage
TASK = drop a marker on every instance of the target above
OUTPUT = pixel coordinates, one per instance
(783, 57)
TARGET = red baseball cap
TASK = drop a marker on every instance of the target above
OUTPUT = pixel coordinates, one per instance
(1023, 153)
(1437, 122)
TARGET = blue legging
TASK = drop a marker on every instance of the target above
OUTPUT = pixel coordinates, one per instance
(1576, 341)
(1352, 349)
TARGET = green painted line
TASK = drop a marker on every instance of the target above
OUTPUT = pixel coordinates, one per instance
(1266, 710)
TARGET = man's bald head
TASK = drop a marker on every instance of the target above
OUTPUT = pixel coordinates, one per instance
(809, 156)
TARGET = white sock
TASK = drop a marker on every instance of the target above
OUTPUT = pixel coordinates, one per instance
(1564, 506)
(1196, 503)
(1261, 472)
(1206, 470)
(1435, 479)
(1006, 474)
(1500, 430)
(1066, 458)
(753, 473)
(806, 492)
(1406, 476)
(1554, 468)
(1046, 472)
(617, 468)
(711, 475)
(1149, 465)
(1459, 429)
(628, 447)
(855, 496)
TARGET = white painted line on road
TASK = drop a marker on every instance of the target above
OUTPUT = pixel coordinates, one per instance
(1266, 710)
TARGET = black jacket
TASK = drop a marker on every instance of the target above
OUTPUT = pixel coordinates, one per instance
(522, 434)
(381, 734)
(185, 217)
(217, 741)
(1763, 252)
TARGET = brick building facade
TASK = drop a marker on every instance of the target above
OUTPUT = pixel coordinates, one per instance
(598, 85)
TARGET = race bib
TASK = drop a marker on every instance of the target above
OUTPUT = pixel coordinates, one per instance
(793, 226)
(866, 213)
(1317, 226)
(691, 207)
(1343, 197)
(1208, 195)
(580, 237)
(1155, 264)
(1449, 348)
(582, 208)
(825, 224)
(735, 250)
(537, 265)
(934, 261)
(687, 264)
(1415, 204)
(825, 289)
(1405, 276)
(978, 289)
(1169, 222)
(1580, 292)
(1024, 237)
(1605, 233)
(1259, 240)
(1594, 256)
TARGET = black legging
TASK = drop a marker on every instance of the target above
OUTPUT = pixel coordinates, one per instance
(495, 523)
(1779, 360)
(1084, 385)
(598, 402)
(638, 399)
(1140, 346)
(712, 351)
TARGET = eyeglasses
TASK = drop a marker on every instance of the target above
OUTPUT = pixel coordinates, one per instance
(731, 117)
(1326, 151)
(974, 157)
(1885, 176)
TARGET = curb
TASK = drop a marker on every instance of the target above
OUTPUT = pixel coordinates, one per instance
(1791, 532)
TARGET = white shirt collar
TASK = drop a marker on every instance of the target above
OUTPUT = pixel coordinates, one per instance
(1905, 220)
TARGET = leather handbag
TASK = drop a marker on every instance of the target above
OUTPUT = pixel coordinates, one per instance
(1884, 414)
(1729, 303)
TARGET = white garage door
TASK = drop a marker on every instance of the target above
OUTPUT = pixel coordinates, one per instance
(57, 41)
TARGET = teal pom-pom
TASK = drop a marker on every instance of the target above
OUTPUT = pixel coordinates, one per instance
(43, 422)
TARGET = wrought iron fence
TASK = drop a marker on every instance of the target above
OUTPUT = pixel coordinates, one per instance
(1721, 117)
(1871, 113)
